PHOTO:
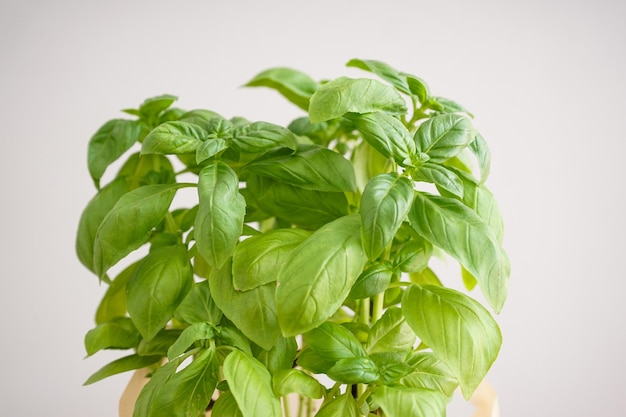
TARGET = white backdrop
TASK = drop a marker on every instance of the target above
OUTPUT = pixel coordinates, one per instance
(545, 80)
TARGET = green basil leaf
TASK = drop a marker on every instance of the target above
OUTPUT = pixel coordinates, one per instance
(125, 364)
(158, 285)
(226, 406)
(188, 392)
(159, 344)
(110, 142)
(444, 136)
(413, 255)
(445, 105)
(391, 333)
(229, 335)
(387, 135)
(318, 277)
(209, 148)
(253, 311)
(140, 170)
(373, 280)
(119, 333)
(280, 356)
(418, 88)
(440, 176)
(92, 216)
(346, 95)
(391, 367)
(459, 231)
(129, 224)
(312, 168)
(192, 334)
(480, 149)
(295, 86)
(113, 304)
(384, 71)
(173, 138)
(145, 404)
(385, 203)
(468, 279)
(319, 133)
(171, 115)
(221, 211)
(262, 136)
(200, 117)
(368, 163)
(459, 330)
(425, 277)
(199, 306)
(431, 373)
(304, 208)
(256, 260)
(251, 385)
(287, 381)
(354, 371)
(342, 406)
(333, 342)
(417, 402)
(152, 106)
(314, 362)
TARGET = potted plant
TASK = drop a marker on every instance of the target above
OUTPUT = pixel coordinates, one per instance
(303, 267)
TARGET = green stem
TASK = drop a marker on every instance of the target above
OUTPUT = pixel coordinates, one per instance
(286, 406)
(364, 313)
(377, 311)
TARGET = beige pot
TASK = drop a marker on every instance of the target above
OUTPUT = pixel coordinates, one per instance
(484, 398)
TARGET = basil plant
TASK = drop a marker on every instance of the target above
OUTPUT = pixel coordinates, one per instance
(303, 268)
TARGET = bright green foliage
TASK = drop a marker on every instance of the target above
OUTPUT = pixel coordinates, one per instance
(306, 249)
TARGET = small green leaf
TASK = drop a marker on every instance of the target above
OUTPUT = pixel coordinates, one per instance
(384, 71)
(125, 364)
(413, 255)
(287, 381)
(119, 333)
(459, 231)
(209, 148)
(387, 135)
(425, 277)
(221, 211)
(373, 280)
(391, 333)
(253, 311)
(194, 333)
(333, 342)
(110, 142)
(262, 136)
(92, 217)
(318, 277)
(152, 106)
(418, 88)
(159, 344)
(346, 95)
(312, 167)
(414, 402)
(444, 136)
(385, 203)
(113, 304)
(199, 306)
(391, 367)
(173, 138)
(129, 224)
(199, 117)
(157, 287)
(251, 385)
(256, 260)
(281, 356)
(457, 328)
(368, 163)
(140, 170)
(294, 85)
(342, 406)
(441, 177)
(354, 371)
(480, 149)
(445, 105)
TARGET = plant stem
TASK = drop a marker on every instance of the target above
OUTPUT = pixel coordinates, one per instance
(286, 409)
(379, 303)
(364, 313)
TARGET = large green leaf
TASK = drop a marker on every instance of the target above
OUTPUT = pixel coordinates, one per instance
(92, 217)
(294, 85)
(387, 135)
(333, 342)
(342, 406)
(304, 208)
(311, 167)
(431, 373)
(458, 230)
(391, 333)
(125, 364)
(113, 304)
(109, 143)
(148, 397)
(385, 203)
(354, 371)
(281, 356)
(158, 285)
(444, 136)
(188, 392)
(384, 71)
(119, 333)
(251, 385)
(221, 211)
(414, 402)
(252, 311)
(194, 333)
(173, 138)
(256, 260)
(129, 224)
(441, 176)
(287, 381)
(458, 329)
(347, 95)
(317, 278)
(262, 136)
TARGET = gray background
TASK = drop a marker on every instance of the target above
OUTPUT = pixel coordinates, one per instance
(545, 80)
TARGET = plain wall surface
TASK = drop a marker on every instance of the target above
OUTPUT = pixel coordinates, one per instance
(545, 80)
